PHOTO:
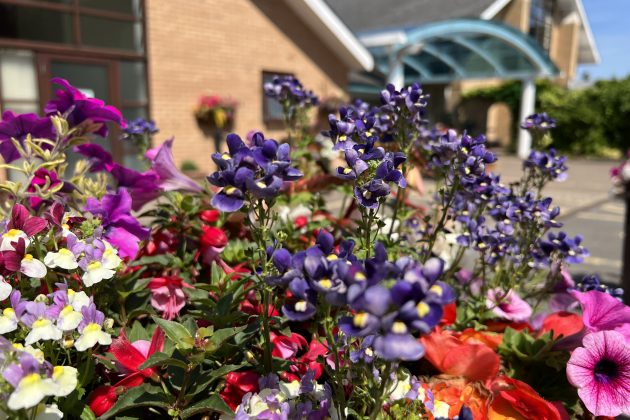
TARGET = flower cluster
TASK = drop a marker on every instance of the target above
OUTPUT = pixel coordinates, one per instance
(592, 282)
(548, 164)
(31, 378)
(289, 91)
(140, 126)
(246, 173)
(539, 122)
(216, 111)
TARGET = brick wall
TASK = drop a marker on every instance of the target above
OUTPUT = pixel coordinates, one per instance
(222, 47)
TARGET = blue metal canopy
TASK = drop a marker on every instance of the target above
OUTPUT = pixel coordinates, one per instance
(451, 50)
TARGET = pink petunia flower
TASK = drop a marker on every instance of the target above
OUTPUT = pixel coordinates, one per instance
(508, 305)
(602, 312)
(601, 372)
(167, 295)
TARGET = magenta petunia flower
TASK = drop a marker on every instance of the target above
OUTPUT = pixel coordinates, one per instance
(601, 372)
(602, 312)
(508, 305)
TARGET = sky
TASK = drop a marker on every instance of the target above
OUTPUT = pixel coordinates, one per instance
(610, 24)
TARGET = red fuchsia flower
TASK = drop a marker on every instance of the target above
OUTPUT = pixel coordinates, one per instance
(237, 384)
(130, 356)
(601, 372)
(508, 305)
(287, 347)
(251, 306)
(209, 216)
(167, 295)
(212, 241)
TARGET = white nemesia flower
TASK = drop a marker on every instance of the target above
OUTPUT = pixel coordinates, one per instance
(96, 273)
(66, 379)
(64, 258)
(36, 353)
(13, 235)
(290, 390)
(30, 391)
(32, 267)
(92, 334)
(48, 412)
(5, 289)
(70, 316)
(110, 260)
(8, 321)
(42, 329)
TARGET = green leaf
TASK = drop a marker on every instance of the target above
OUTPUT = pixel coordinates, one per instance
(140, 396)
(137, 332)
(209, 405)
(176, 332)
(223, 334)
(162, 259)
(202, 382)
(160, 359)
(87, 414)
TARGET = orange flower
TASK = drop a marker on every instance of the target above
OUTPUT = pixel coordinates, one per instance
(492, 340)
(565, 323)
(515, 400)
(457, 392)
(451, 355)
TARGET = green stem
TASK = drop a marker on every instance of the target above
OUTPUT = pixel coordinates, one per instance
(266, 331)
(340, 401)
(378, 407)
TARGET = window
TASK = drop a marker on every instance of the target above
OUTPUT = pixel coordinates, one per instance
(18, 82)
(540, 21)
(100, 24)
(272, 110)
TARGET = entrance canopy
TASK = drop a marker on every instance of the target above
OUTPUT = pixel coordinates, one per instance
(448, 51)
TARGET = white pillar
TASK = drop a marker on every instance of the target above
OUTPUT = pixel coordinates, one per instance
(396, 74)
(528, 100)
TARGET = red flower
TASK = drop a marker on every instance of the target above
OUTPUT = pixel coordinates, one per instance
(131, 358)
(22, 220)
(209, 216)
(104, 397)
(514, 399)
(212, 242)
(237, 384)
(287, 347)
(565, 323)
(300, 221)
(167, 295)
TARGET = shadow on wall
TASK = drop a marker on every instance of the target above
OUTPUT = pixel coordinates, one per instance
(305, 39)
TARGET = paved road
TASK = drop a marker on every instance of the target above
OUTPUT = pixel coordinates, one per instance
(602, 228)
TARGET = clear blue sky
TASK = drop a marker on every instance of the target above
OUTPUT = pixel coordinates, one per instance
(610, 23)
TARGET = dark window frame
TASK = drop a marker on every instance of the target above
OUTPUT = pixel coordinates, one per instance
(78, 52)
(269, 119)
(76, 11)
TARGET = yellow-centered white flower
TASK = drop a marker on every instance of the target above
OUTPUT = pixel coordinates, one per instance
(92, 334)
(64, 258)
(32, 267)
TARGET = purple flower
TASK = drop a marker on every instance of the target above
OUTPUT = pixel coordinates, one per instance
(77, 108)
(592, 282)
(560, 245)
(538, 122)
(601, 372)
(247, 173)
(548, 164)
(508, 305)
(122, 230)
(140, 126)
(289, 90)
(18, 127)
(99, 158)
(26, 365)
(170, 178)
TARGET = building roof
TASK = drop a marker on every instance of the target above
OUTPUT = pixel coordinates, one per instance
(377, 15)
(333, 32)
(366, 16)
